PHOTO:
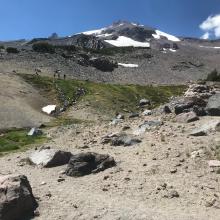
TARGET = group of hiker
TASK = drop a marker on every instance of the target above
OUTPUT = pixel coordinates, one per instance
(57, 74)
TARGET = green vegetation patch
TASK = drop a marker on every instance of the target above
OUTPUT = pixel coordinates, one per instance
(107, 98)
(12, 140)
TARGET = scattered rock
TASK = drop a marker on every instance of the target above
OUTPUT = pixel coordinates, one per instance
(16, 198)
(187, 117)
(147, 112)
(147, 126)
(87, 163)
(50, 157)
(125, 140)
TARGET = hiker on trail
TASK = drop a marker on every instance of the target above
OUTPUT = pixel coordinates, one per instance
(64, 76)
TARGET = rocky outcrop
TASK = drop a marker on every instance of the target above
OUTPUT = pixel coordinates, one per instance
(87, 163)
(50, 157)
(103, 64)
(16, 198)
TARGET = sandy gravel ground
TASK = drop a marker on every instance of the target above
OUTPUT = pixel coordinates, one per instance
(20, 103)
(139, 187)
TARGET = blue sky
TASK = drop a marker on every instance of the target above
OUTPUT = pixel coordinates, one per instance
(39, 18)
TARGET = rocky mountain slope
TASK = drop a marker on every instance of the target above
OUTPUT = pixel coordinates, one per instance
(156, 57)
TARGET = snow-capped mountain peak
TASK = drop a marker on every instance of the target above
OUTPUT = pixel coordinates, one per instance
(124, 34)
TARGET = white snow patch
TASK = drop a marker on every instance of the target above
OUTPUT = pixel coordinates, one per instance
(172, 50)
(122, 41)
(94, 32)
(104, 35)
(160, 34)
(128, 65)
(208, 47)
(49, 109)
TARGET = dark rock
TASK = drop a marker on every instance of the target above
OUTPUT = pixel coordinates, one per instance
(166, 109)
(50, 157)
(16, 198)
(180, 108)
(103, 64)
(213, 106)
(144, 102)
(87, 163)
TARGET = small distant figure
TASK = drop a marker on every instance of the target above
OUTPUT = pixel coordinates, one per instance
(37, 71)
(64, 76)
(57, 72)
(54, 75)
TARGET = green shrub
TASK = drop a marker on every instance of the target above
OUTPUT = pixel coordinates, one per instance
(213, 76)
(12, 50)
(43, 47)
(2, 47)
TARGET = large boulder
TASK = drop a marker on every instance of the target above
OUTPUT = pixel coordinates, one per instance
(213, 106)
(50, 157)
(186, 117)
(103, 64)
(87, 163)
(16, 198)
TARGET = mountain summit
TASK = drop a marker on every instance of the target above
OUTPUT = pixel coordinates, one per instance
(123, 33)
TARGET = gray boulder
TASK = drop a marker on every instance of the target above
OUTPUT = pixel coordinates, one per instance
(213, 106)
(187, 117)
(87, 163)
(206, 128)
(50, 157)
(16, 198)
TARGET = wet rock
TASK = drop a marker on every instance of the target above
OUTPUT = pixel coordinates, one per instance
(186, 117)
(16, 198)
(213, 106)
(87, 163)
(50, 157)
